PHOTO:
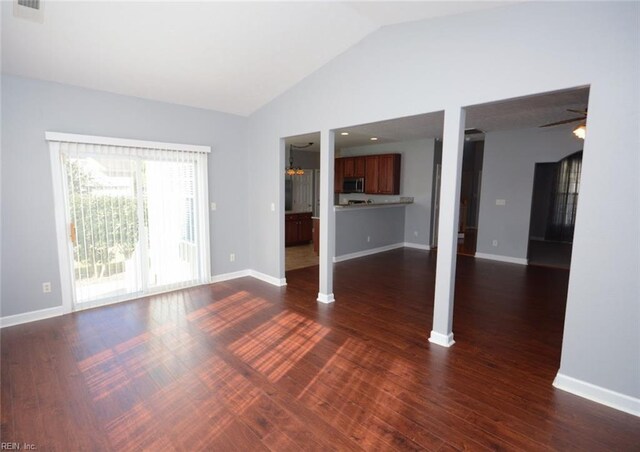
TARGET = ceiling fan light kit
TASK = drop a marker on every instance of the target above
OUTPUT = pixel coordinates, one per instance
(580, 131)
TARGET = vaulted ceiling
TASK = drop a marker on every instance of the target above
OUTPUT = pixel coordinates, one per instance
(228, 56)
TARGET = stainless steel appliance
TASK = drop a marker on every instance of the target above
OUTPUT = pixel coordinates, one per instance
(353, 185)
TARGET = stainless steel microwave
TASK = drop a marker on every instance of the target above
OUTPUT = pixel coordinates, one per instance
(353, 185)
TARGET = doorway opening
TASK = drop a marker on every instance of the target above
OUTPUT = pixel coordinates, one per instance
(470, 185)
(529, 180)
(556, 187)
(302, 202)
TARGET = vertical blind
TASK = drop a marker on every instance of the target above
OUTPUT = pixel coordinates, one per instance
(138, 219)
(564, 199)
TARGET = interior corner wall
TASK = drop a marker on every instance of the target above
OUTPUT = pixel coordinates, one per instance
(416, 176)
(31, 107)
(508, 168)
(516, 50)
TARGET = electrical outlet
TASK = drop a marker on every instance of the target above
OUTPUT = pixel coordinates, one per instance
(232, 257)
(415, 233)
(46, 287)
(495, 243)
(501, 202)
(368, 239)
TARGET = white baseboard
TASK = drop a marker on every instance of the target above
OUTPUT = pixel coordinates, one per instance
(497, 257)
(598, 394)
(247, 272)
(382, 249)
(444, 340)
(326, 298)
(228, 276)
(269, 279)
(418, 246)
(32, 316)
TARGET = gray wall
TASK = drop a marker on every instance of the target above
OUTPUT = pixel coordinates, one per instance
(305, 159)
(421, 67)
(30, 107)
(384, 225)
(510, 158)
(416, 177)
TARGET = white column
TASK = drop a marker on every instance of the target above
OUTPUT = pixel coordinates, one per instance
(327, 217)
(452, 151)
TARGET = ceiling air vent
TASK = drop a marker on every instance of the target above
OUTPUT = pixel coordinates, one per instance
(29, 10)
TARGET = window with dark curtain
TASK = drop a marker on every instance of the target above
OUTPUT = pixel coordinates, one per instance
(564, 199)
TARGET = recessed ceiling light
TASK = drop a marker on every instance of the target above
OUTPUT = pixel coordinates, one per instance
(344, 133)
(374, 138)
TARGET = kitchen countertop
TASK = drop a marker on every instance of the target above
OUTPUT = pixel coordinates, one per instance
(374, 205)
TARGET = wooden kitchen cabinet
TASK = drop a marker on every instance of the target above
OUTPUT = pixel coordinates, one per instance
(354, 166)
(371, 174)
(297, 228)
(382, 176)
(316, 236)
(338, 177)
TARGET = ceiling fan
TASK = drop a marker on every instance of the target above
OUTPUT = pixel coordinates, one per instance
(579, 131)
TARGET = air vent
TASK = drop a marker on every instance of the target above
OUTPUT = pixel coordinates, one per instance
(33, 4)
(29, 10)
(473, 131)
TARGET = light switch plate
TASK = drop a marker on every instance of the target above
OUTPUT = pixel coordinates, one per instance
(501, 202)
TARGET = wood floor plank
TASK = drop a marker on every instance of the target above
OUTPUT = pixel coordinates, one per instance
(243, 365)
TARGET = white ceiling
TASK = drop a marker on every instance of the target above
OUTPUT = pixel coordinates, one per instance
(228, 56)
(525, 112)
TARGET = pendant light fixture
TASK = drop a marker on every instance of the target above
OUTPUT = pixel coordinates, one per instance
(291, 170)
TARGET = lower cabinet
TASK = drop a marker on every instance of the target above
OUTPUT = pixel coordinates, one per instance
(297, 228)
(316, 236)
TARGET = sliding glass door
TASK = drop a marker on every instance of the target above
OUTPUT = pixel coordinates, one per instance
(136, 220)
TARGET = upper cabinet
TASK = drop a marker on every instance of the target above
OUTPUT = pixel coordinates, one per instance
(371, 177)
(338, 179)
(354, 166)
(382, 174)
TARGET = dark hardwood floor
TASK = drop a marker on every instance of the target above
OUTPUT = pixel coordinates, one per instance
(243, 365)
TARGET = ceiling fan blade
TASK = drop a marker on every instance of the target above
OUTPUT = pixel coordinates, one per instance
(582, 112)
(566, 121)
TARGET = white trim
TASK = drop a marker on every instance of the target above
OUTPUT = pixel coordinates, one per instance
(62, 224)
(326, 298)
(123, 142)
(497, 257)
(444, 340)
(31, 316)
(418, 246)
(269, 279)
(228, 276)
(363, 253)
(598, 394)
